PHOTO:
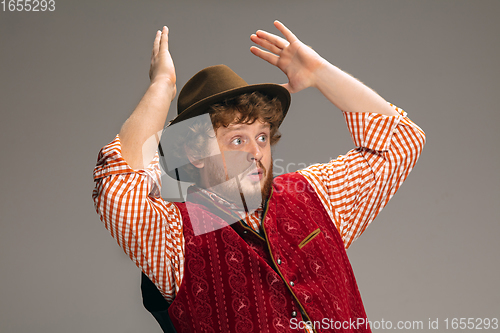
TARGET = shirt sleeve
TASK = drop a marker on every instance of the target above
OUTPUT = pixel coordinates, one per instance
(147, 228)
(355, 187)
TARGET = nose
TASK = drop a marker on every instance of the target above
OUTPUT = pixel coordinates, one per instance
(254, 152)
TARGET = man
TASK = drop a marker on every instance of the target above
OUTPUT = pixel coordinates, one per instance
(246, 253)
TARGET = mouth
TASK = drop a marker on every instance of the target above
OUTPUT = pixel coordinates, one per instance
(256, 174)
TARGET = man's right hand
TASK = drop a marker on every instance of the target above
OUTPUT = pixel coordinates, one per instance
(138, 135)
(162, 67)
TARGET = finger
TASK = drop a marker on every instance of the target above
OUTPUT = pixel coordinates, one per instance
(273, 39)
(265, 44)
(267, 56)
(285, 31)
(164, 38)
(156, 44)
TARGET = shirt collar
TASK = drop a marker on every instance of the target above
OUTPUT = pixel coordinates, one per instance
(238, 210)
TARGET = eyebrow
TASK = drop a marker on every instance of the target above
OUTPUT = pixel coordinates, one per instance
(231, 127)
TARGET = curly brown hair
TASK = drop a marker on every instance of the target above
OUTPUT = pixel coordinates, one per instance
(242, 109)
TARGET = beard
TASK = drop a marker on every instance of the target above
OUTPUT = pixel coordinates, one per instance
(237, 188)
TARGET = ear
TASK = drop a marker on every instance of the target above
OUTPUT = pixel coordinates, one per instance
(198, 163)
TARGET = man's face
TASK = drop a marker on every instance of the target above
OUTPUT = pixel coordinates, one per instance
(244, 164)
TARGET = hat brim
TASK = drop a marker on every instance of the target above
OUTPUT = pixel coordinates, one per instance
(269, 89)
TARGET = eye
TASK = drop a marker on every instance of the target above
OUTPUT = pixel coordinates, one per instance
(237, 141)
(262, 138)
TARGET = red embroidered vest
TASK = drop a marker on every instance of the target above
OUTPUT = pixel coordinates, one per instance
(238, 281)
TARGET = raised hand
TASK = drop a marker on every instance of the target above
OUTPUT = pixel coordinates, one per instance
(162, 66)
(138, 133)
(298, 61)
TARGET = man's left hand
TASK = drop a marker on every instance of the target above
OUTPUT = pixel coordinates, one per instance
(298, 61)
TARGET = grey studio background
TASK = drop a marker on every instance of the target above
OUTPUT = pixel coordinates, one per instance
(71, 77)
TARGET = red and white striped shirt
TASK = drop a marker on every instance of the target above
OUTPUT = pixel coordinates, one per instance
(353, 189)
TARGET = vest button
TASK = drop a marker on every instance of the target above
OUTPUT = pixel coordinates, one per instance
(245, 231)
(294, 314)
(292, 284)
(279, 261)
